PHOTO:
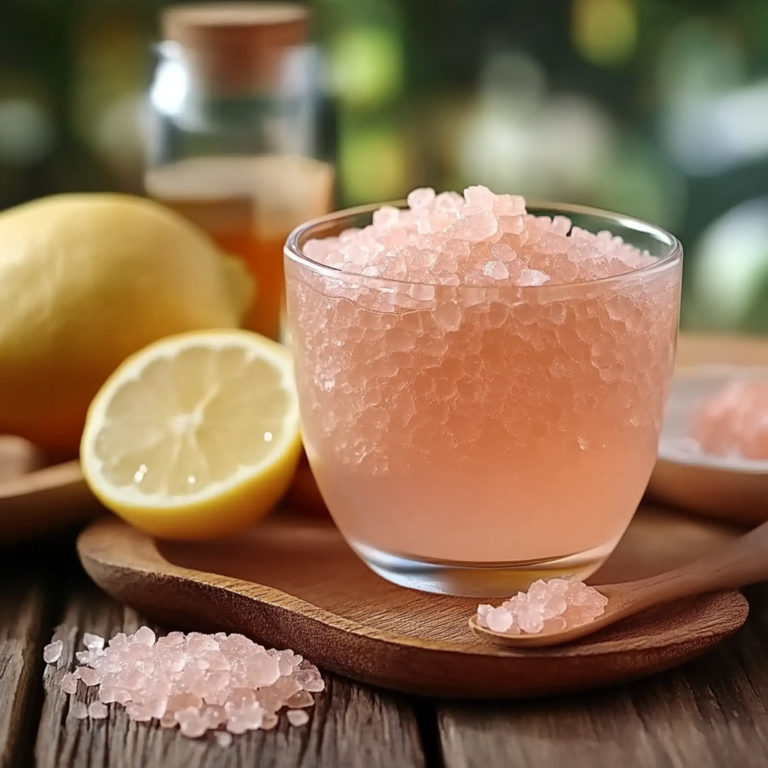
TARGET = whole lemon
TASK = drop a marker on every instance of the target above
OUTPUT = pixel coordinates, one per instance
(87, 280)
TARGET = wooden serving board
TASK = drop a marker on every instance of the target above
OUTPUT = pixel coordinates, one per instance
(39, 494)
(293, 582)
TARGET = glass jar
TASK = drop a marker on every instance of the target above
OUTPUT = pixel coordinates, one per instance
(235, 134)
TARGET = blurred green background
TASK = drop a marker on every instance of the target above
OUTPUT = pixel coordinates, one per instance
(657, 108)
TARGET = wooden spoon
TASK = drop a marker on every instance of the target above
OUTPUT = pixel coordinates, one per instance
(743, 562)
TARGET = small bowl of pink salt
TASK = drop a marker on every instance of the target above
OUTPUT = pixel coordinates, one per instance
(713, 449)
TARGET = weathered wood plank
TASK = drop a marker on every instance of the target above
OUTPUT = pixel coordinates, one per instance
(22, 630)
(350, 725)
(708, 714)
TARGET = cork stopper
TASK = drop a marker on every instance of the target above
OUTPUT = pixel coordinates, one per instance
(236, 47)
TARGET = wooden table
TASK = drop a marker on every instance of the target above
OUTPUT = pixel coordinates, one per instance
(709, 714)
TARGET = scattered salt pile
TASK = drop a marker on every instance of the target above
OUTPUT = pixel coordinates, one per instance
(222, 683)
(547, 606)
(478, 239)
(733, 421)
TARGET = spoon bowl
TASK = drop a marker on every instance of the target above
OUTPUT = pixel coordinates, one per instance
(620, 605)
(743, 561)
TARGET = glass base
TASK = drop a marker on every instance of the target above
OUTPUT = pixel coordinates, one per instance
(479, 579)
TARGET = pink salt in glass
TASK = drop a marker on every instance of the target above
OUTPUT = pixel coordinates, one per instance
(469, 440)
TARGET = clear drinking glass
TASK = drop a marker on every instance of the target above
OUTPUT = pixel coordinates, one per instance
(470, 440)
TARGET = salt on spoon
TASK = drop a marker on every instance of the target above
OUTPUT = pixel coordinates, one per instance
(744, 561)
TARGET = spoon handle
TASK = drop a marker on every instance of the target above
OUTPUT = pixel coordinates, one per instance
(744, 561)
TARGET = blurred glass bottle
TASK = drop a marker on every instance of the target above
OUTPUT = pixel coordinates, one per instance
(239, 139)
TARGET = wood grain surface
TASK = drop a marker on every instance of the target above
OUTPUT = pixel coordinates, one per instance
(22, 626)
(292, 581)
(38, 493)
(711, 713)
(349, 725)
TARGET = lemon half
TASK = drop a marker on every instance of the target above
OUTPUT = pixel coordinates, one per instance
(196, 436)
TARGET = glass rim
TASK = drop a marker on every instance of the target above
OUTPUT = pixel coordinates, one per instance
(293, 252)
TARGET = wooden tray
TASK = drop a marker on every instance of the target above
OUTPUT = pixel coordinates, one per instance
(293, 582)
(39, 494)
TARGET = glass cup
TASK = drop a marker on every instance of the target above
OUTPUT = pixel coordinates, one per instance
(468, 441)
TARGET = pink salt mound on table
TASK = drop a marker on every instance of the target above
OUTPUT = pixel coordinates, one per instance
(222, 683)
(548, 606)
(734, 421)
(478, 239)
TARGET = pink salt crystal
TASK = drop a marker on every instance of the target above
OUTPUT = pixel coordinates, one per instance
(97, 710)
(532, 277)
(172, 660)
(216, 661)
(144, 636)
(193, 728)
(120, 640)
(421, 198)
(138, 712)
(130, 679)
(223, 738)
(215, 681)
(482, 614)
(89, 676)
(482, 197)
(197, 643)
(285, 687)
(300, 700)
(270, 700)
(314, 686)
(168, 720)
(530, 621)
(79, 710)
(68, 684)
(107, 695)
(306, 675)
(188, 713)
(122, 696)
(183, 701)
(385, 217)
(93, 642)
(251, 716)
(508, 205)
(52, 652)
(83, 657)
(499, 620)
(475, 228)
(236, 725)
(215, 715)
(269, 721)
(240, 697)
(297, 717)
(496, 270)
(173, 639)
(262, 670)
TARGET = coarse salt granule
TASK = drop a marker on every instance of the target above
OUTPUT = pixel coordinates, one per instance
(52, 651)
